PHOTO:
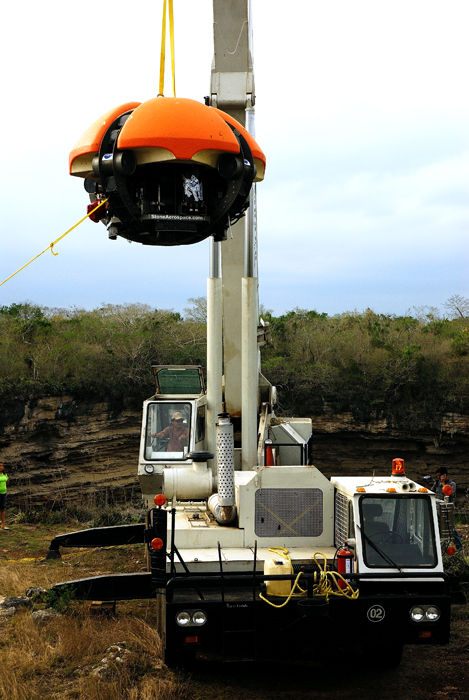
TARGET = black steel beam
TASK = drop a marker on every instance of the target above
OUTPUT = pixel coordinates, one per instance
(98, 537)
(112, 587)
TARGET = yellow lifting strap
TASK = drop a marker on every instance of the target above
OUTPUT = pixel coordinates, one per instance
(51, 245)
(168, 3)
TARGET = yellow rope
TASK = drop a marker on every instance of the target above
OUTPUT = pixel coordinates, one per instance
(51, 245)
(326, 583)
(169, 4)
(171, 38)
(162, 56)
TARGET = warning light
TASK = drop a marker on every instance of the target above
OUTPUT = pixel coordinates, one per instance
(159, 499)
(423, 490)
(447, 490)
(156, 543)
(391, 490)
(398, 467)
(361, 489)
(450, 550)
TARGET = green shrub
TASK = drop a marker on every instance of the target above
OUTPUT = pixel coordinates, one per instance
(403, 369)
(458, 565)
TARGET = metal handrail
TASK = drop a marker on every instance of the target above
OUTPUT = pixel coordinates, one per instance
(180, 581)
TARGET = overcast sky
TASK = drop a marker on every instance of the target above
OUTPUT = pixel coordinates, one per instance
(362, 111)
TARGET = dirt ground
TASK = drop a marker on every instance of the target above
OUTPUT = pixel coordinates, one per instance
(426, 672)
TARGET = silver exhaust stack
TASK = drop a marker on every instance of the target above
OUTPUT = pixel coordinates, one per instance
(222, 504)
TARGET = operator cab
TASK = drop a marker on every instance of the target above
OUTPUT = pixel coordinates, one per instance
(173, 423)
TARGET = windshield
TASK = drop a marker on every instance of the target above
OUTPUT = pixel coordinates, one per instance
(167, 430)
(401, 530)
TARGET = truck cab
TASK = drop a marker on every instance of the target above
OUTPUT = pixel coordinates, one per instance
(391, 525)
(392, 522)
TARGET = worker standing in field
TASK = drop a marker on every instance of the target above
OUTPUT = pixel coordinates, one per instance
(3, 495)
(442, 479)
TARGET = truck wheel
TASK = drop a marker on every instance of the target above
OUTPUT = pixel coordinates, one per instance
(387, 655)
(181, 658)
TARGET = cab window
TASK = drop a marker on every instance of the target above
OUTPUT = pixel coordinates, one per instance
(397, 531)
(168, 430)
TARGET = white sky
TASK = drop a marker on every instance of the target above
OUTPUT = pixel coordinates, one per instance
(362, 111)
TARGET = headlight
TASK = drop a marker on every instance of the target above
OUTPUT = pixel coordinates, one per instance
(425, 613)
(149, 468)
(417, 614)
(183, 619)
(433, 613)
(199, 618)
(191, 618)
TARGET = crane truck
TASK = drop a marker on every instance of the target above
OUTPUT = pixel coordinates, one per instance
(250, 548)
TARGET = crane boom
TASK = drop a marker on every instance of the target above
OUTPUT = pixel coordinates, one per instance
(232, 90)
(232, 82)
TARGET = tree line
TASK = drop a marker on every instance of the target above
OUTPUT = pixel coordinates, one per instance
(407, 369)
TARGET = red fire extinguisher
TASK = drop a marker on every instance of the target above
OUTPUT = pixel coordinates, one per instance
(344, 564)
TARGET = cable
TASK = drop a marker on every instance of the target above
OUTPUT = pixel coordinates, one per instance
(51, 245)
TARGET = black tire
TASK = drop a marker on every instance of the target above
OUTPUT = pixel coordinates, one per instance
(180, 658)
(388, 655)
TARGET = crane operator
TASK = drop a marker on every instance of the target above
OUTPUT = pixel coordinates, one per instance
(177, 433)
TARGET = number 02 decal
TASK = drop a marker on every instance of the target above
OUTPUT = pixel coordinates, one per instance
(375, 613)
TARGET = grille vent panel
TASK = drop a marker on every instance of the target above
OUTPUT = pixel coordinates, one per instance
(289, 513)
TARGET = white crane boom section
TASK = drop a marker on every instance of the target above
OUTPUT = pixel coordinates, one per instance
(232, 90)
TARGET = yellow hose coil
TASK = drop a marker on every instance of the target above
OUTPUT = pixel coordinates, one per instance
(325, 583)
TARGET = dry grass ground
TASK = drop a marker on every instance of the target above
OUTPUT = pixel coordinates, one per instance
(57, 658)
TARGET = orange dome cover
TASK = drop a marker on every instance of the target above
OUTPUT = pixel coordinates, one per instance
(179, 125)
(257, 153)
(91, 139)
